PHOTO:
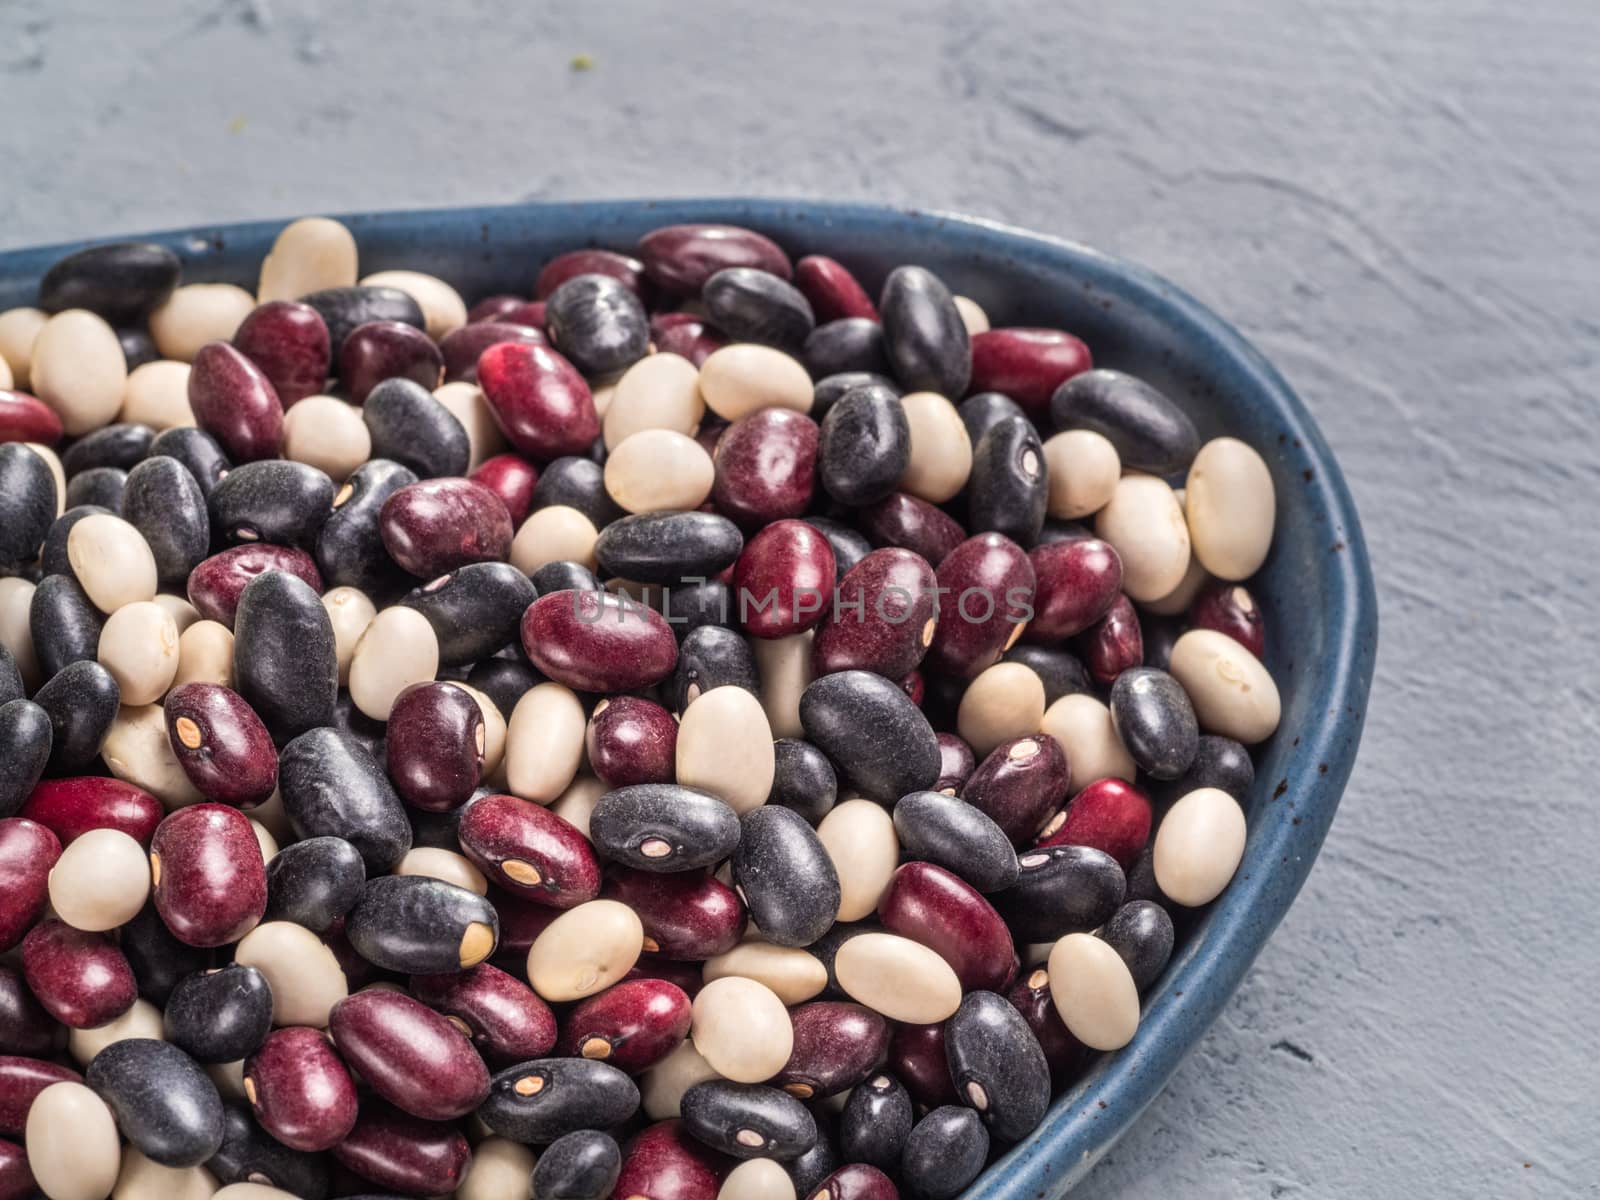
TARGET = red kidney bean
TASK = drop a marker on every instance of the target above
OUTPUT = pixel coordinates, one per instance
(432, 527)
(435, 743)
(748, 1120)
(766, 465)
(421, 926)
(461, 348)
(998, 1065)
(1027, 364)
(926, 338)
(331, 786)
(410, 1055)
(25, 1027)
(1141, 932)
(685, 916)
(1061, 890)
(1155, 721)
(492, 308)
(542, 1100)
(28, 850)
(21, 1079)
(598, 642)
(25, 418)
(504, 1017)
(882, 616)
(1030, 996)
(81, 979)
(989, 593)
(632, 1025)
(402, 1153)
(529, 851)
(234, 401)
(784, 580)
(512, 478)
(836, 1046)
(930, 905)
(288, 341)
(623, 268)
(221, 744)
(1108, 814)
(209, 883)
(687, 977)
(833, 292)
(382, 350)
(687, 336)
(299, 1089)
(631, 740)
(1114, 643)
(1008, 486)
(680, 258)
(869, 729)
(217, 583)
(1230, 608)
(598, 322)
(785, 876)
(529, 312)
(541, 403)
(16, 1179)
(663, 827)
(856, 1181)
(665, 1162)
(1149, 431)
(917, 1058)
(1020, 784)
(409, 426)
(956, 764)
(940, 829)
(1077, 583)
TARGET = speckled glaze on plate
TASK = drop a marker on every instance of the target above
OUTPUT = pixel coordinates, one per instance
(1316, 588)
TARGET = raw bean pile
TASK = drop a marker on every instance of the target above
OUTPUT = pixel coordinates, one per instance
(695, 732)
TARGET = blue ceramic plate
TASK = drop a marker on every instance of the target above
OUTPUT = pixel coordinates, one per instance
(1316, 588)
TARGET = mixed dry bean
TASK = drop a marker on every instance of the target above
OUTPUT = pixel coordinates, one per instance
(695, 731)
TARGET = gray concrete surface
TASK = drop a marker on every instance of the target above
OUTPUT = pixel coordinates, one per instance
(1398, 202)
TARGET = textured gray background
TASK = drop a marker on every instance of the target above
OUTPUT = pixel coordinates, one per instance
(1398, 203)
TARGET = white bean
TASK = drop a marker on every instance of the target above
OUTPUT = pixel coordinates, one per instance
(326, 433)
(442, 307)
(576, 804)
(757, 1179)
(1083, 728)
(793, 975)
(435, 862)
(101, 881)
(1094, 992)
(79, 371)
(725, 748)
(657, 470)
(494, 730)
(585, 950)
(972, 315)
(860, 839)
(18, 329)
(544, 742)
(73, 1148)
(112, 561)
(139, 646)
(309, 255)
(1084, 468)
(467, 404)
(661, 391)
(1199, 846)
(1231, 507)
(53, 461)
(143, 1020)
(1233, 693)
(784, 665)
(555, 533)
(198, 313)
(157, 395)
(304, 975)
(1145, 525)
(742, 1029)
(183, 613)
(661, 1088)
(398, 649)
(902, 979)
(744, 378)
(205, 655)
(136, 750)
(350, 612)
(1005, 701)
(499, 1171)
(16, 634)
(941, 450)
(143, 1179)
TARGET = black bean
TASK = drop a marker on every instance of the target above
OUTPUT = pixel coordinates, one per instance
(748, 1120)
(712, 657)
(421, 926)
(474, 610)
(64, 624)
(138, 347)
(333, 787)
(53, 554)
(951, 833)
(663, 827)
(598, 323)
(1159, 635)
(219, 1016)
(826, 948)
(865, 446)
(944, 1154)
(581, 1165)
(25, 734)
(284, 661)
(158, 959)
(27, 504)
(350, 550)
(802, 779)
(983, 411)
(121, 282)
(249, 1154)
(546, 1098)
(664, 547)
(505, 681)
(849, 545)
(755, 306)
(828, 391)
(1150, 432)
(118, 446)
(438, 830)
(274, 500)
(691, 605)
(343, 308)
(809, 1170)
(876, 1122)
(314, 882)
(875, 736)
(997, 1065)
(1141, 932)
(564, 576)
(848, 345)
(1142, 880)
(1155, 721)
(1219, 762)
(165, 1105)
(926, 337)
(576, 483)
(101, 486)
(167, 506)
(351, 722)
(11, 687)
(200, 453)
(412, 428)
(1061, 671)
(1008, 487)
(81, 701)
(786, 876)
(1061, 890)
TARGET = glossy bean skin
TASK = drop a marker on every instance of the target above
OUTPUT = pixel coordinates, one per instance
(278, 502)
(1229, 608)
(849, 344)
(904, 520)
(541, 402)
(28, 851)
(598, 642)
(343, 309)
(22, 1079)
(475, 610)
(1077, 583)
(664, 547)
(300, 1090)
(1149, 431)
(159, 961)
(404, 1154)
(686, 916)
(221, 744)
(997, 1064)
(679, 259)
(121, 282)
(686, 335)
(504, 681)
(331, 786)
(410, 1055)
(836, 1046)
(25, 418)
(632, 1025)
(164, 1103)
(410, 427)
(664, 827)
(380, 350)
(598, 322)
(712, 657)
(462, 347)
(435, 743)
(991, 584)
(664, 1161)
(529, 851)
(956, 764)
(1030, 996)
(421, 926)
(1108, 814)
(1155, 721)
(944, 1153)
(99, 486)
(209, 883)
(748, 1120)
(1028, 365)
(830, 389)
(940, 829)
(511, 477)
(877, 739)
(803, 779)
(27, 503)
(865, 446)
(235, 403)
(64, 624)
(1020, 784)
(875, 1123)
(284, 658)
(219, 1016)
(350, 550)
(314, 882)
(505, 1018)
(784, 580)
(1061, 890)
(120, 446)
(785, 876)
(250, 1154)
(1009, 486)
(766, 467)
(882, 618)
(917, 1058)
(1141, 932)
(834, 293)
(73, 806)
(162, 500)
(200, 453)
(289, 342)
(856, 1181)
(576, 483)
(217, 584)
(625, 269)
(543, 1099)
(26, 1029)
(982, 411)
(926, 339)
(930, 905)
(1219, 762)
(754, 305)
(631, 741)
(582, 1165)
(1114, 643)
